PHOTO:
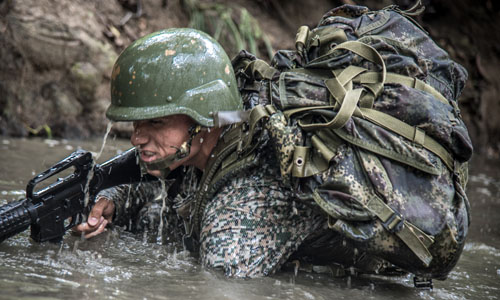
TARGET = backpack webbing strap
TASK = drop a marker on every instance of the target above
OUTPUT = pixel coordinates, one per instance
(256, 114)
(259, 69)
(347, 108)
(363, 144)
(412, 236)
(367, 52)
(364, 76)
(373, 77)
(340, 87)
(386, 121)
(412, 133)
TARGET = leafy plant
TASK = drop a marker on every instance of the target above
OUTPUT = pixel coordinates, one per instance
(40, 129)
(233, 26)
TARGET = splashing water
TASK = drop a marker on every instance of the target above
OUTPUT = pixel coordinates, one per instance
(108, 130)
(96, 157)
(159, 237)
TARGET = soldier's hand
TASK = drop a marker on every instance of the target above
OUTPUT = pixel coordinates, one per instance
(100, 216)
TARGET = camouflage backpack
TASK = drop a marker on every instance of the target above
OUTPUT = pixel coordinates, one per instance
(364, 118)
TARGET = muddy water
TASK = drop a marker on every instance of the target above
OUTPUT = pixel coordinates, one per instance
(118, 265)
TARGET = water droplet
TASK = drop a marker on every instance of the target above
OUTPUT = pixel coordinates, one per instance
(169, 98)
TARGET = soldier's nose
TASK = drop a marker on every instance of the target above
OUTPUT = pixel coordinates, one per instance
(139, 136)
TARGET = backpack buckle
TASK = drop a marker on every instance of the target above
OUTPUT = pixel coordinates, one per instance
(394, 223)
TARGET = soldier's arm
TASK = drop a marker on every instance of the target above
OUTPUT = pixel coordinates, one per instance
(119, 205)
(129, 199)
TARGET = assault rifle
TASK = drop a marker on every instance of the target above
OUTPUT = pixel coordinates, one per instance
(49, 209)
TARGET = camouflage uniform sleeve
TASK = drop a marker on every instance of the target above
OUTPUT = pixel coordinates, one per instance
(130, 198)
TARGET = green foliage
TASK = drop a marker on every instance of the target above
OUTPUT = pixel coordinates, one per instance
(40, 129)
(233, 26)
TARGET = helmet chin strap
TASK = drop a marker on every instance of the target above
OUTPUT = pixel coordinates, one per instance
(163, 164)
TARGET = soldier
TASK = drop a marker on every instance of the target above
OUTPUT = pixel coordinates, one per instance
(182, 104)
(235, 205)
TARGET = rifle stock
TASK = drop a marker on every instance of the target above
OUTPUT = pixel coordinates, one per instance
(48, 210)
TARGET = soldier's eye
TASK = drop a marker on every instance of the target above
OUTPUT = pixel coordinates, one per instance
(156, 121)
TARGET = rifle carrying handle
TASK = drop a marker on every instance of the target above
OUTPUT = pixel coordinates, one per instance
(81, 160)
(14, 218)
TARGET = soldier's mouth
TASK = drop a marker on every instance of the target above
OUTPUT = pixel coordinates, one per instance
(148, 156)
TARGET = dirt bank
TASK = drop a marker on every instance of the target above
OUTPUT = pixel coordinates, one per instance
(56, 55)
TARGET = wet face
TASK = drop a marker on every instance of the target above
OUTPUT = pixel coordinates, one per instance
(160, 137)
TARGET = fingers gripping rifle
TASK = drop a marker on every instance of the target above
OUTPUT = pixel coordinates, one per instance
(48, 209)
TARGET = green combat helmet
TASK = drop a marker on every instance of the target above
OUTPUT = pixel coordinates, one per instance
(173, 71)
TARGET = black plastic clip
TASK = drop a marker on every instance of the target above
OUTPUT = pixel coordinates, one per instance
(422, 283)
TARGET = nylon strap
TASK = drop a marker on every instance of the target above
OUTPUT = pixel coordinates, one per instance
(412, 236)
(347, 74)
(256, 114)
(365, 76)
(259, 69)
(371, 54)
(412, 133)
(347, 98)
(395, 125)
(344, 114)
(373, 77)
(365, 51)
(386, 152)
(289, 112)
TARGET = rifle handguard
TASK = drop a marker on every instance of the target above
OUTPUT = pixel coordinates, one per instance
(14, 218)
